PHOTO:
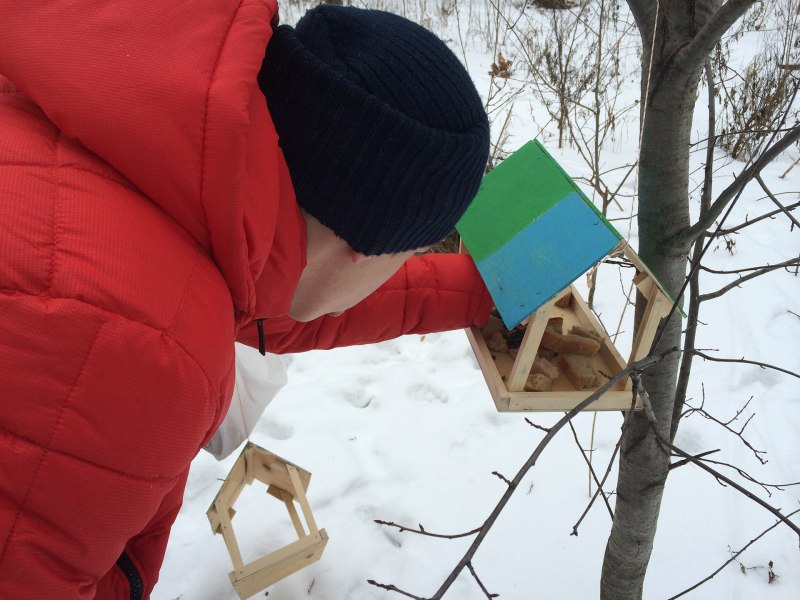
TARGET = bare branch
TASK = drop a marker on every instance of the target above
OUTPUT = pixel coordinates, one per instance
(775, 200)
(539, 427)
(751, 479)
(734, 189)
(726, 425)
(769, 215)
(758, 272)
(734, 557)
(393, 588)
(636, 367)
(422, 531)
(747, 362)
(680, 463)
(648, 409)
(501, 476)
(480, 583)
(696, 51)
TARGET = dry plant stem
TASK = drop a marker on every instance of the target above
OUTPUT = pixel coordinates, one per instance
(775, 201)
(648, 409)
(591, 470)
(733, 557)
(747, 362)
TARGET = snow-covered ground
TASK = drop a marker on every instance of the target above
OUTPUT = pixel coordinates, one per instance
(406, 431)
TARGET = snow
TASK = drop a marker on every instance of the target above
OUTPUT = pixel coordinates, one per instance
(406, 431)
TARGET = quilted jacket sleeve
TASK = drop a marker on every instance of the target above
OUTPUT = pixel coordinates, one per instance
(435, 292)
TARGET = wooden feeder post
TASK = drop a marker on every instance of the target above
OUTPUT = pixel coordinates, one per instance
(287, 483)
(532, 233)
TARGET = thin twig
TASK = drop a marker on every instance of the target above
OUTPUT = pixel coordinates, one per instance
(393, 588)
(769, 215)
(422, 531)
(638, 366)
(501, 476)
(757, 273)
(539, 427)
(680, 463)
(747, 362)
(750, 478)
(776, 201)
(734, 557)
(726, 425)
(648, 410)
(480, 583)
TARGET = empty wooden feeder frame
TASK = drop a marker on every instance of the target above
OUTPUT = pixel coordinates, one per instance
(532, 233)
(286, 482)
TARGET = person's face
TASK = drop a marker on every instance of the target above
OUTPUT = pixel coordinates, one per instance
(336, 277)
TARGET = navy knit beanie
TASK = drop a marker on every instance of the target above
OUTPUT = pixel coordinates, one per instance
(384, 134)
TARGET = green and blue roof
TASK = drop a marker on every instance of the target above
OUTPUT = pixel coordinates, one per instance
(532, 232)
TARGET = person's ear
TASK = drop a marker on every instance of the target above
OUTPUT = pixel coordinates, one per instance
(357, 257)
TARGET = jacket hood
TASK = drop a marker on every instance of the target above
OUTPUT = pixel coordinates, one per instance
(167, 93)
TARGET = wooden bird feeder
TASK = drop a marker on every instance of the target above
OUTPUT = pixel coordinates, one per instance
(532, 233)
(287, 483)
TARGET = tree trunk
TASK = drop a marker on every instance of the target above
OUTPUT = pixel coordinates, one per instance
(667, 112)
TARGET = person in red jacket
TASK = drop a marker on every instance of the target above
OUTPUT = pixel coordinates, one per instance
(166, 190)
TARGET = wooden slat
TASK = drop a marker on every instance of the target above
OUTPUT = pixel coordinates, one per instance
(528, 348)
(300, 495)
(288, 501)
(564, 401)
(497, 387)
(656, 309)
(608, 351)
(272, 568)
(230, 537)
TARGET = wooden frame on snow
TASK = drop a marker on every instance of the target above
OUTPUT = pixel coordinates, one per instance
(287, 483)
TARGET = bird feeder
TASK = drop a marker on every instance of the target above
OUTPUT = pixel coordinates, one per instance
(285, 482)
(532, 233)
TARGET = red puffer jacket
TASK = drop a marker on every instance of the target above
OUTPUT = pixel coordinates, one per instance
(146, 217)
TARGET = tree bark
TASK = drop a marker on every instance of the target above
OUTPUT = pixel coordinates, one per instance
(672, 61)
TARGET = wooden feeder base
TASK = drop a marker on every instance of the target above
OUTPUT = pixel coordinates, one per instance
(287, 483)
(506, 376)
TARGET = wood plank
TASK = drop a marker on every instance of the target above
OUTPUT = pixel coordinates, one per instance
(656, 309)
(229, 536)
(528, 348)
(289, 503)
(497, 387)
(564, 401)
(300, 495)
(278, 565)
